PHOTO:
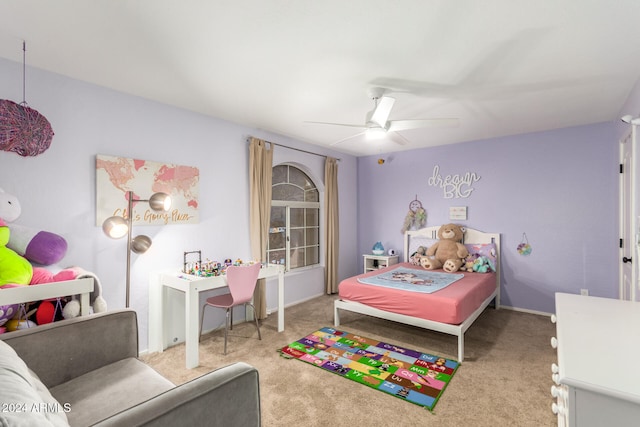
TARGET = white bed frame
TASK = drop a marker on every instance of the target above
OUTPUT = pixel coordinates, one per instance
(22, 294)
(470, 236)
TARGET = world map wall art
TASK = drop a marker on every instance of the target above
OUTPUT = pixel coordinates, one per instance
(115, 176)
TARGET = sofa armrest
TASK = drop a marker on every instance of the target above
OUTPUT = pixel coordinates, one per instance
(60, 351)
(229, 396)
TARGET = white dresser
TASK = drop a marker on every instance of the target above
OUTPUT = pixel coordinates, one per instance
(597, 378)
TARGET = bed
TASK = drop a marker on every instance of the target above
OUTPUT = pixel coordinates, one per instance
(451, 310)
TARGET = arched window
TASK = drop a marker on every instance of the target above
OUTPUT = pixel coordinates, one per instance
(294, 233)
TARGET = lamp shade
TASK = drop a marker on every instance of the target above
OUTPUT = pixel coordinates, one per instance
(115, 227)
(140, 244)
(160, 202)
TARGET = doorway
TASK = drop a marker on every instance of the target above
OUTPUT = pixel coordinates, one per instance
(627, 258)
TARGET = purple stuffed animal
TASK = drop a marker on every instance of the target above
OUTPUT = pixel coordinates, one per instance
(39, 247)
(19, 248)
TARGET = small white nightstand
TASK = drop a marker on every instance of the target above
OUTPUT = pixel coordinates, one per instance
(374, 262)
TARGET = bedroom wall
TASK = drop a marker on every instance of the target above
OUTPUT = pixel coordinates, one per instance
(559, 187)
(57, 188)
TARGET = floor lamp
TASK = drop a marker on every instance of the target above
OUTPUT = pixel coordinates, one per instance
(117, 227)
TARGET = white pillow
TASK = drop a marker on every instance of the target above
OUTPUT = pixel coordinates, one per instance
(416, 242)
(26, 401)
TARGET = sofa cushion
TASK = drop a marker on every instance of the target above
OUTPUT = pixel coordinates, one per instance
(25, 400)
(99, 394)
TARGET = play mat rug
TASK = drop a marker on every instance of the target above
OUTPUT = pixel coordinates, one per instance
(419, 378)
(411, 279)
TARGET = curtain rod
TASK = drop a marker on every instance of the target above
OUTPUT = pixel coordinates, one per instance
(298, 149)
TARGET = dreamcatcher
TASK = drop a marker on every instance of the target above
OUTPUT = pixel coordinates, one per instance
(416, 217)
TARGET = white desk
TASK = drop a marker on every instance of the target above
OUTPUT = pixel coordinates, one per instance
(191, 286)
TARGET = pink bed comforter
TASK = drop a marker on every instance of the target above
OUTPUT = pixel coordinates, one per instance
(452, 304)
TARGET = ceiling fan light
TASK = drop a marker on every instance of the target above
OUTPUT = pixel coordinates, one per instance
(375, 133)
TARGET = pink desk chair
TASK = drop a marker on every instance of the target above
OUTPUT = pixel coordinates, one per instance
(242, 282)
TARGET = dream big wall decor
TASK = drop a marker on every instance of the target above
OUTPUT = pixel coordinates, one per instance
(454, 186)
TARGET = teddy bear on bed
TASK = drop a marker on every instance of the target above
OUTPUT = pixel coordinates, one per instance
(447, 253)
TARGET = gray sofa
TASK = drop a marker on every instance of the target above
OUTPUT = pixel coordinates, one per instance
(85, 371)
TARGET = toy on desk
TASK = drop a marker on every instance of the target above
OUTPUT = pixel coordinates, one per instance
(199, 268)
(188, 268)
(209, 268)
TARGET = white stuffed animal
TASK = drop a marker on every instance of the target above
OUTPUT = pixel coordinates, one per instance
(98, 303)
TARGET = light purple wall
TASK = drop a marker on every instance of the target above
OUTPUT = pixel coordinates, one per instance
(57, 189)
(559, 187)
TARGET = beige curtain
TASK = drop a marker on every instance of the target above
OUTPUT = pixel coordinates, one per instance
(260, 164)
(331, 229)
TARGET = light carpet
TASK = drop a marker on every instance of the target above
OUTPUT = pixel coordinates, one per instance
(504, 380)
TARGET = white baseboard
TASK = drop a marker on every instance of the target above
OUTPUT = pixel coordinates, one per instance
(291, 304)
(525, 310)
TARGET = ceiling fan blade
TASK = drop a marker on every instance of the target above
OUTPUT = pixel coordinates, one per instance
(349, 137)
(382, 111)
(338, 124)
(422, 123)
(397, 138)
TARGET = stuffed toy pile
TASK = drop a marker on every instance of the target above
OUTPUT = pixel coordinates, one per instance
(21, 250)
(447, 253)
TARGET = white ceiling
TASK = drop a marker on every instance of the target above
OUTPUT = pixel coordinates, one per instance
(501, 66)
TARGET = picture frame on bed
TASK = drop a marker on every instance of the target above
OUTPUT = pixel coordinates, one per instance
(466, 299)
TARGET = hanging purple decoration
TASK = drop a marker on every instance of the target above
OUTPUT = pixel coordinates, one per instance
(23, 130)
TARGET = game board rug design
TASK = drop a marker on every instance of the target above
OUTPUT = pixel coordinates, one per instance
(416, 377)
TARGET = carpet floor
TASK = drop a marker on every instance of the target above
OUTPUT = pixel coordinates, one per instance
(504, 380)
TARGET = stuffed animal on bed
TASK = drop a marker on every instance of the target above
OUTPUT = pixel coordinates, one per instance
(483, 265)
(417, 255)
(469, 262)
(447, 253)
(14, 269)
(96, 301)
(37, 246)
(19, 249)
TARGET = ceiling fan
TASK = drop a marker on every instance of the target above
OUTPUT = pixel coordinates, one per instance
(378, 125)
